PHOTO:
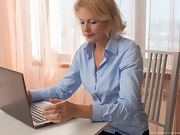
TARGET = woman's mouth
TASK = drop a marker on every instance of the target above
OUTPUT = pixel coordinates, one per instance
(89, 36)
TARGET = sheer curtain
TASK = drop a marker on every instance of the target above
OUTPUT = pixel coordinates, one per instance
(15, 42)
(37, 38)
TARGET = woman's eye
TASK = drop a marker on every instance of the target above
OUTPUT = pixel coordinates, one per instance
(88, 22)
(93, 22)
(82, 22)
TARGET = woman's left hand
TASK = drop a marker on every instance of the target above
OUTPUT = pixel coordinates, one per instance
(60, 111)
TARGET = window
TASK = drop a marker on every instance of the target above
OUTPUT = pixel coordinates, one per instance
(54, 28)
(164, 25)
(35, 30)
(56, 17)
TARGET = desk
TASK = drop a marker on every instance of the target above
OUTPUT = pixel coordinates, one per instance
(11, 126)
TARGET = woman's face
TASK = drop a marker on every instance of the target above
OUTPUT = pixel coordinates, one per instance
(93, 30)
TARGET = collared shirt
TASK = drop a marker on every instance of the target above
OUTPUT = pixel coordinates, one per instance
(115, 85)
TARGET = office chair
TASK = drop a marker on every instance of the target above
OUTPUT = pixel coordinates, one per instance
(155, 70)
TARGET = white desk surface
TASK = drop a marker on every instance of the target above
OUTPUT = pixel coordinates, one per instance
(12, 126)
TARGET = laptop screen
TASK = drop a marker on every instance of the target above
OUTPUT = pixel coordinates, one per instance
(13, 98)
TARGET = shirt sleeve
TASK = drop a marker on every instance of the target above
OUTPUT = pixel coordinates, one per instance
(131, 76)
(67, 86)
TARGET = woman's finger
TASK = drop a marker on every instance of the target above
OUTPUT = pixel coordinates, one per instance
(55, 118)
(54, 101)
(53, 111)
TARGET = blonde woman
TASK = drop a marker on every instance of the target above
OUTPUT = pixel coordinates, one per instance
(109, 66)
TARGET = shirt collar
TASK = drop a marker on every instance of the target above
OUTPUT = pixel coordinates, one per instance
(112, 46)
(89, 49)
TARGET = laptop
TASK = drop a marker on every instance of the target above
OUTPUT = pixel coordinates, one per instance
(13, 100)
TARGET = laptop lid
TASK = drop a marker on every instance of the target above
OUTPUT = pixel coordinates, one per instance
(13, 97)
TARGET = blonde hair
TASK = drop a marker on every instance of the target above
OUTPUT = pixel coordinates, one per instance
(104, 10)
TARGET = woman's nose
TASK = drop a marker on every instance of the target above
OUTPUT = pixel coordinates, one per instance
(86, 26)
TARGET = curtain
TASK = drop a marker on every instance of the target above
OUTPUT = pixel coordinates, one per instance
(31, 43)
(15, 42)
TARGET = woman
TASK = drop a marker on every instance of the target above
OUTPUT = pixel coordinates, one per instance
(110, 68)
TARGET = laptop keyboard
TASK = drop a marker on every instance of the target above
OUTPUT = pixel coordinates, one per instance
(37, 115)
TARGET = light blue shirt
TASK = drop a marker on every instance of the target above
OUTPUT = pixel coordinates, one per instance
(115, 86)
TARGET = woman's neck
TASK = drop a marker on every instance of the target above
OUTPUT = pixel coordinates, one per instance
(100, 46)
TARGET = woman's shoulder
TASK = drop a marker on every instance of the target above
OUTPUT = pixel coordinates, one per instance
(126, 45)
(125, 41)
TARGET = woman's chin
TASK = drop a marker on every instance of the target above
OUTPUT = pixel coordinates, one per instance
(90, 40)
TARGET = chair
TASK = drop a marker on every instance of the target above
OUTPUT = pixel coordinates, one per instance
(155, 73)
